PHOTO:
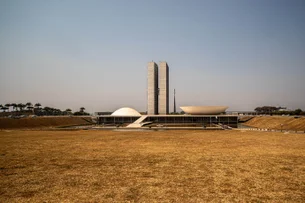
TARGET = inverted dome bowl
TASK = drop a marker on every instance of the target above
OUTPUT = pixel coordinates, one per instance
(204, 110)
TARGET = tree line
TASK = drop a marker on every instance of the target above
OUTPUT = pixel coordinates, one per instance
(38, 110)
(272, 110)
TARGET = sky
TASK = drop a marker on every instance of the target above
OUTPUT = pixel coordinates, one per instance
(94, 54)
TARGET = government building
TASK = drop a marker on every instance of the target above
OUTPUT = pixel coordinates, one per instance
(158, 108)
(157, 88)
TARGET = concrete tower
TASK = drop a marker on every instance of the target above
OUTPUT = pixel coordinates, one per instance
(152, 89)
(163, 88)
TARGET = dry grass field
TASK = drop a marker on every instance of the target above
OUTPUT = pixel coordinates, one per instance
(147, 166)
(278, 122)
(42, 122)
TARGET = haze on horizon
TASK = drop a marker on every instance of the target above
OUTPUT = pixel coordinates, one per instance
(68, 54)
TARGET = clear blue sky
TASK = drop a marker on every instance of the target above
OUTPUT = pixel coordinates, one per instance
(68, 54)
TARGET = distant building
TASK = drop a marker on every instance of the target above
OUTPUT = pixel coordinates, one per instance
(152, 88)
(205, 117)
(163, 88)
(103, 113)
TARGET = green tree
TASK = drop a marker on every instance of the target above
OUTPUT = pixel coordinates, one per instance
(4, 108)
(7, 106)
(81, 112)
(68, 111)
(298, 112)
(258, 109)
(37, 105)
(14, 105)
(266, 109)
(30, 107)
(47, 110)
(20, 106)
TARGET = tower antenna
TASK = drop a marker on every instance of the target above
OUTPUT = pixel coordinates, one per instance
(174, 100)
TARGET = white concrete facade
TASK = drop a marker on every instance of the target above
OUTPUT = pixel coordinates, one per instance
(126, 111)
(152, 88)
(163, 88)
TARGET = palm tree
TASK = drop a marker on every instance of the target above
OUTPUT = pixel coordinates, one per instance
(82, 109)
(7, 106)
(14, 105)
(69, 111)
(29, 106)
(4, 108)
(37, 109)
(37, 105)
(21, 106)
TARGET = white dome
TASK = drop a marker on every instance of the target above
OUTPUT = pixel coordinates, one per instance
(126, 111)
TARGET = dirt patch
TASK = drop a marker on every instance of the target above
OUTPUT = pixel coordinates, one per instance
(41, 122)
(164, 166)
(277, 122)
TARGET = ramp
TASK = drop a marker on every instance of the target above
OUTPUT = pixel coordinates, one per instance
(137, 123)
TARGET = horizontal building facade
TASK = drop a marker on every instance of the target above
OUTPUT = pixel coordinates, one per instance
(229, 120)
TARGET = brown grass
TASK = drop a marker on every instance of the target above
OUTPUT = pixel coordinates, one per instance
(164, 166)
(41, 122)
(274, 122)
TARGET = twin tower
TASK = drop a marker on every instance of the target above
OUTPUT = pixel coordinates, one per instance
(158, 89)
